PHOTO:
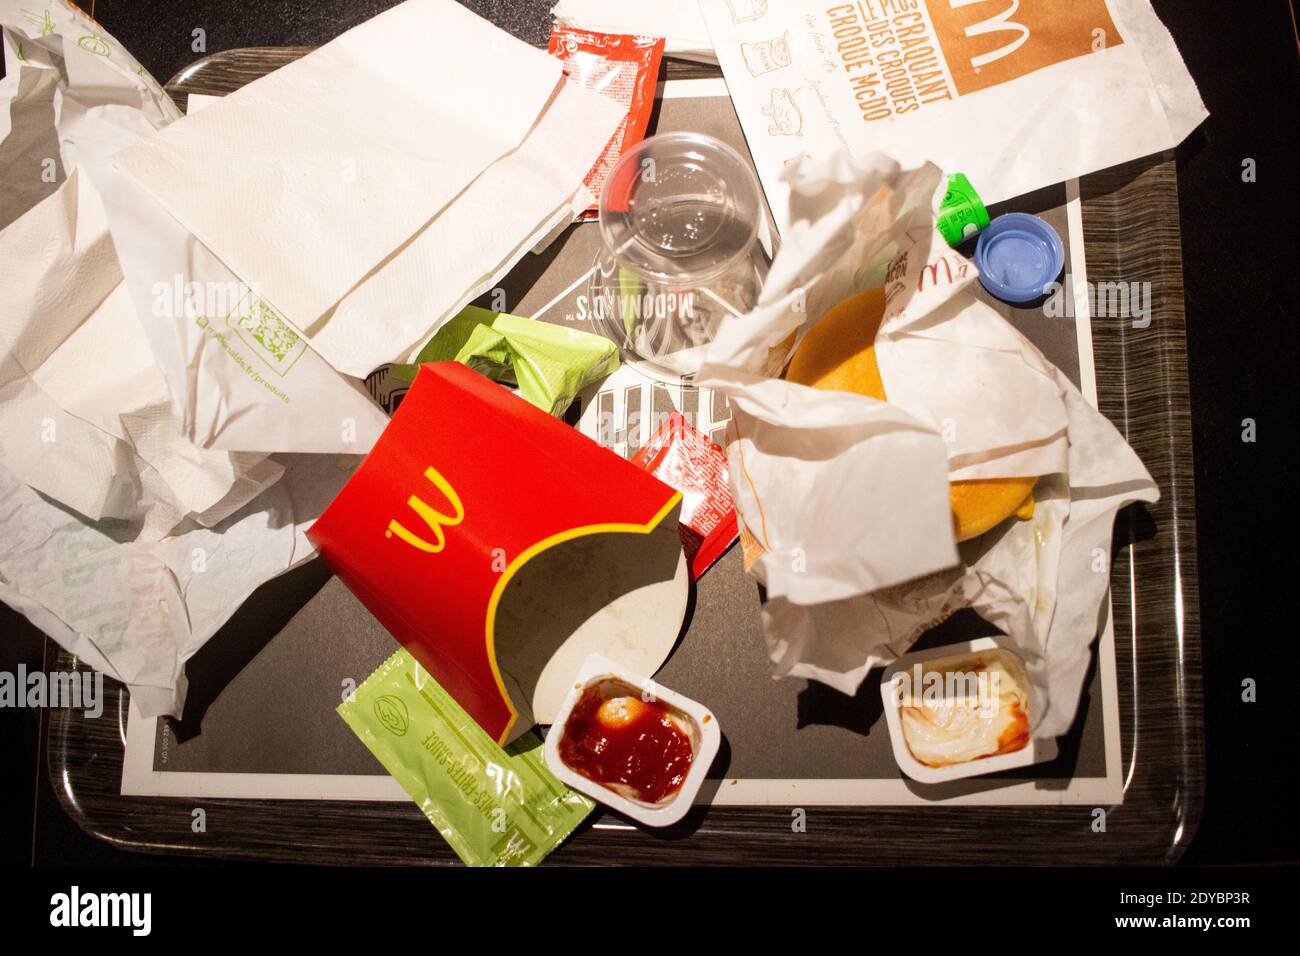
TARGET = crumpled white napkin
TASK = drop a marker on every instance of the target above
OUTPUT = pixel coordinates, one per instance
(859, 557)
(138, 608)
(238, 379)
(85, 416)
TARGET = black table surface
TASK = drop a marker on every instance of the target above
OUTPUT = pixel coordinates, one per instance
(1239, 279)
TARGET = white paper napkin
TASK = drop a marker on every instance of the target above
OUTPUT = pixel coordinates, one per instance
(138, 609)
(475, 241)
(308, 179)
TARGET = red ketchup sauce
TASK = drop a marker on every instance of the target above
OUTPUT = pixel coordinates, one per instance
(622, 742)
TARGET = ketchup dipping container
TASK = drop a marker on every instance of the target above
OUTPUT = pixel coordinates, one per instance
(631, 744)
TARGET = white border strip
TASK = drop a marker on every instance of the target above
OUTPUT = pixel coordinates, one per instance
(691, 89)
(1078, 275)
(139, 779)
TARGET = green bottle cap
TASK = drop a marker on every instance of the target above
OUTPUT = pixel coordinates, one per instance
(962, 213)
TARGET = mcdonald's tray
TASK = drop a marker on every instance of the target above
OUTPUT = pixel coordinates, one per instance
(805, 773)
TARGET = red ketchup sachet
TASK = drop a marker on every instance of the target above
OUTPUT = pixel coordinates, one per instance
(624, 68)
(686, 459)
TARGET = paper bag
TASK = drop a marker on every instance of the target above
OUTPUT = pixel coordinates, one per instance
(1016, 95)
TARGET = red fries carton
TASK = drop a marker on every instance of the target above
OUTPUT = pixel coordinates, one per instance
(501, 547)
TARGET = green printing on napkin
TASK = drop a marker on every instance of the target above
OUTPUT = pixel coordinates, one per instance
(495, 807)
(549, 364)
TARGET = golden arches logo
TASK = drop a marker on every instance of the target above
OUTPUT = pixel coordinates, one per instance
(436, 520)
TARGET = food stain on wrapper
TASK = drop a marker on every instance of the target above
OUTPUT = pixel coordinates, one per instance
(640, 749)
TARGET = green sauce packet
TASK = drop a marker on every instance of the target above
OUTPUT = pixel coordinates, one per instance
(496, 807)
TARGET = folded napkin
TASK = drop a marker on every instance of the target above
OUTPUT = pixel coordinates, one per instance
(372, 188)
(519, 201)
(307, 178)
(234, 377)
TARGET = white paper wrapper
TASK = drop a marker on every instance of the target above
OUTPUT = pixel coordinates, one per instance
(1017, 96)
(85, 415)
(121, 538)
(138, 608)
(78, 97)
(849, 495)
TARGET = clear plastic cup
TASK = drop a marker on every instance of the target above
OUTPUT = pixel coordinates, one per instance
(679, 221)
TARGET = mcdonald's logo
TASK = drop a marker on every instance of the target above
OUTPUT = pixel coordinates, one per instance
(987, 42)
(434, 519)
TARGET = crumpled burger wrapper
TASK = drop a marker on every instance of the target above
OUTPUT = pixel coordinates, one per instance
(847, 496)
(550, 365)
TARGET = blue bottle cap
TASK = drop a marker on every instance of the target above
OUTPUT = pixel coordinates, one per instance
(1018, 257)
